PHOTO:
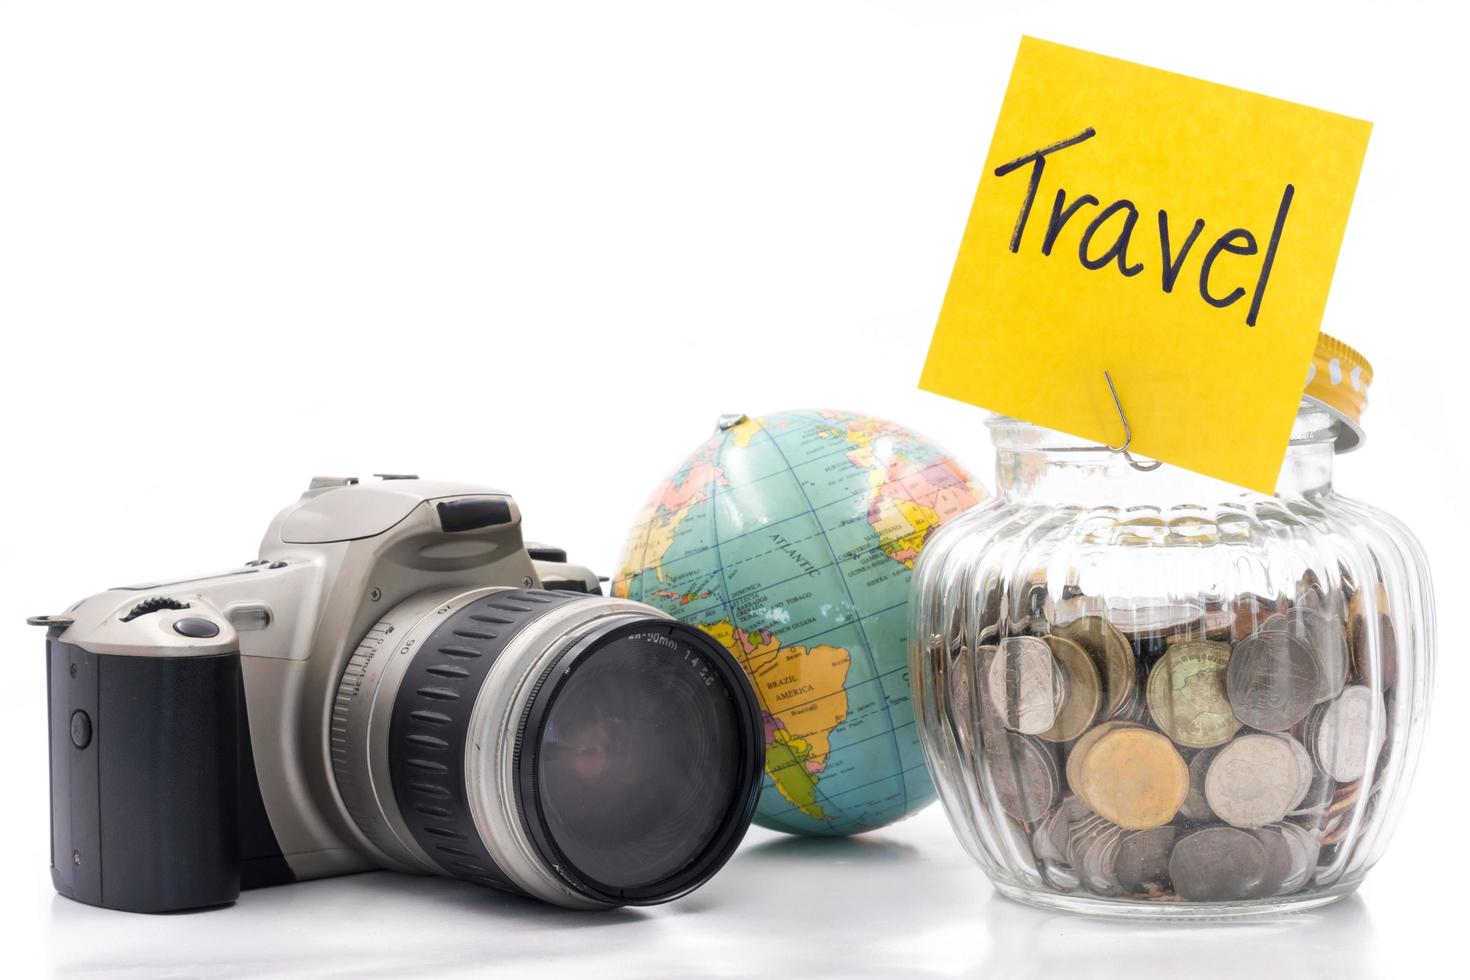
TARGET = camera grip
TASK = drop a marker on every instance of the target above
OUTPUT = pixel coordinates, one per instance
(144, 778)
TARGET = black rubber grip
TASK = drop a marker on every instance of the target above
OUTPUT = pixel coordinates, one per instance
(144, 779)
(431, 719)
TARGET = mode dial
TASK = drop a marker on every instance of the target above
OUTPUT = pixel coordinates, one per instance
(153, 604)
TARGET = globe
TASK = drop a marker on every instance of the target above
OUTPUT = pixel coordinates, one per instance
(791, 540)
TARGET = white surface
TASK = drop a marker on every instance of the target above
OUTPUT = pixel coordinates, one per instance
(905, 901)
(544, 247)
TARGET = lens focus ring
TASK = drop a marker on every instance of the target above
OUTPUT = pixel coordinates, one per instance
(431, 721)
(359, 733)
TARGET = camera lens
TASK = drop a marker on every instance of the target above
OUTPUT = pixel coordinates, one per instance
(588, 751)
(626, 769)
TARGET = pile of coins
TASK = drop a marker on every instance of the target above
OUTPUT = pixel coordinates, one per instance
(1182, 751)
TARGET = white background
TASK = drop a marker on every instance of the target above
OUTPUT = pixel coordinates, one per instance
(544, 247)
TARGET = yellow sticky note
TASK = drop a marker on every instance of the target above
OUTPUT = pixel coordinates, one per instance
(1177, 233)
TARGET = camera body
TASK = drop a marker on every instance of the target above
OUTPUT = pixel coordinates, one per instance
(197, 726)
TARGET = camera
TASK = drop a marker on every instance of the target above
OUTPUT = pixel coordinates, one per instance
(397, 681)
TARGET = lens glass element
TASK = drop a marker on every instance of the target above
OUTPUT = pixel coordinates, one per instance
(640, 759)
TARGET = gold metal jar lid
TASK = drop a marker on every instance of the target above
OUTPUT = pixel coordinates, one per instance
(1338, 380)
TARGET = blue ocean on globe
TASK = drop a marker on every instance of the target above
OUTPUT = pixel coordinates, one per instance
(791, 539)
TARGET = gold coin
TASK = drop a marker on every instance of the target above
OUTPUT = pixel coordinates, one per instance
(1081, 747)
(1084, 691)
(1135, 778)
(1187, 696)
(1110, 650)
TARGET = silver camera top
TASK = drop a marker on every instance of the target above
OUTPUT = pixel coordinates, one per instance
(328, 565)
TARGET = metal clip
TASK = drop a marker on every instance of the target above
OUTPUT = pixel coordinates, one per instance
(1127, 432)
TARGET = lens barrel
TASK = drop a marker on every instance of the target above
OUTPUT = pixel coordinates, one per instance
(588, 751)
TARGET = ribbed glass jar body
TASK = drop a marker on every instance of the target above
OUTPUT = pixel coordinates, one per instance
(1154, 694)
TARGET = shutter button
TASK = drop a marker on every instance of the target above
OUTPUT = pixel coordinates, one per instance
(198, 629)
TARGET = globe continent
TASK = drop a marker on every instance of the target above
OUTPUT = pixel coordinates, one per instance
(791, 539)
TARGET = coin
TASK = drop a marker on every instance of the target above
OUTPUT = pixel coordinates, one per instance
(961, 674)
(1217, 864)
(1248, 815)
(1304, 851)
(1023, 775)
(1087, 836)
(1306, 772)
(1112, 654)
(1315, 802)
(1279, 861)
(1054, 832)
(1310, 591)
(1036, 604)
(1361, 637)
(1325, 636)
(1349, 734)
(1026, 686)
(1134, 778)
(1272, 680)
(1212, 624)
(1187, 697)
(1195, 806)
(1083, 689)
(1142, 864)
(1155, 619)
(1083, 744)
(1099, 861)
(1071, 608)
(1249, 611)
(1084, 833)
(1253, 781)
(986, 723)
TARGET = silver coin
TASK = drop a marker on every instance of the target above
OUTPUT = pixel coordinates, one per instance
(1253, 781)
(1304, 851)
(1026, 685)
(1318, 798)
(1272, 680)
(1212, 624)
(1349, 734)
(1023, 774)
(1325, 636)
(987, 722)
(1278, 860)
(1156, 619)
(1361, 645)
(961, 706)
(1036, 605)
(1217, 864)
(1084, 833)
(1311, 595)
(1195, 806)
(1098, 862)
(1054, 832)
(1142, 863)
(1061, 877)
(1073, 608)
(1306, 772)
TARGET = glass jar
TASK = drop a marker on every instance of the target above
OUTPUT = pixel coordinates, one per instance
(1144, 692)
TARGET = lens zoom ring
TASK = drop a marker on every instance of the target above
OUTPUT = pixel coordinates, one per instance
(430, 726)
